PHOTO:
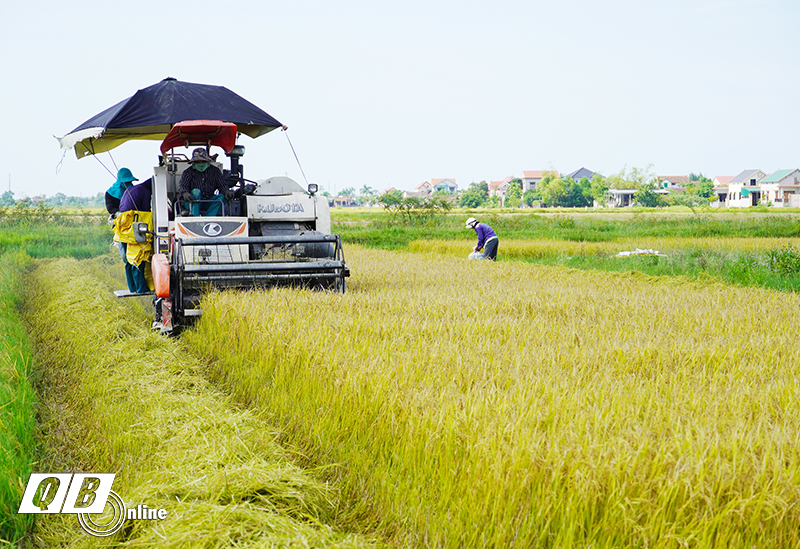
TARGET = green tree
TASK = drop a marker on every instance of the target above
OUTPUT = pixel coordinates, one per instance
(581, 194)
(367, 194)
(475, 196)
(696, 176)
(705, 187)
(412, 208)
(642, 177)
(541, 187)
(598, 189)
(513, 196)
(531, 197)
(685, 199)
(471, 198)
(347, 191)
(7, 198)
(565, 192)
(643, 180)
(553, 191)
(392, 197)
(648, 198)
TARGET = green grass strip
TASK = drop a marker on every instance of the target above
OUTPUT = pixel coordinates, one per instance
(118, 398)
(40, 241)
(377, 229)
(17, 403)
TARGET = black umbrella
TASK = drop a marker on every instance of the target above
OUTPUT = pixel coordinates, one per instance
(151, 112)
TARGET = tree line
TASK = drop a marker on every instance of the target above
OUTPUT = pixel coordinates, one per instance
(59, 199)
(552, 191)
(561, 191)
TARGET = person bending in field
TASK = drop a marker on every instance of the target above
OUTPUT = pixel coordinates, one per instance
(199, 183)
(487, 238)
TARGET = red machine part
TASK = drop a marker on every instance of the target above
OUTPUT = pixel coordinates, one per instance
(161, 274)
(201, 132)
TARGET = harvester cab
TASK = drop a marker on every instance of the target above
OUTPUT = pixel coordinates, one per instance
(271, 232)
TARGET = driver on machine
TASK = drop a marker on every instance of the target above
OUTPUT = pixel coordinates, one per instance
(199, 182)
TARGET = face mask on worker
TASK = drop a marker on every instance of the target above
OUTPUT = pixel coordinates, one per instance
(200, 166)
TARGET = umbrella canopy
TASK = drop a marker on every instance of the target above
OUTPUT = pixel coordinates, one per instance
(151, 112)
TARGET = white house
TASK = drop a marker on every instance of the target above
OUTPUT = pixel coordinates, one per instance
(743, 189)
(499, 188)
(781, 188)
(620, 198)
(422, 190)
(671, 182)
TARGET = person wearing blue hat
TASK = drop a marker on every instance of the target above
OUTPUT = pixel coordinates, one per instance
(114, 193)
(114, 196)
(136, 200)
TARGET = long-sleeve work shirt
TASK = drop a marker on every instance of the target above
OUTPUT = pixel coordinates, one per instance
(485, 232)
(207, 181)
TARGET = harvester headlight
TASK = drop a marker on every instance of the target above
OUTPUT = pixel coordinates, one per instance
(313, 188)
(238, 151)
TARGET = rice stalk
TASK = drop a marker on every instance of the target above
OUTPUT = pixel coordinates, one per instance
(506, 404)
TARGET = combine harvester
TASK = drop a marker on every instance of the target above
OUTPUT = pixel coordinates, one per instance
(271, 233)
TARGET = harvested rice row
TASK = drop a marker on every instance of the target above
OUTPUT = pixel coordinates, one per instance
(506, 404)
(540, 248)
(117, 398)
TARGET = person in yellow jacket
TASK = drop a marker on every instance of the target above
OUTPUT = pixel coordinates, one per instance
(135, 206)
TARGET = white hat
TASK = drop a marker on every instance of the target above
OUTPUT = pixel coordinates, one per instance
(471, 222)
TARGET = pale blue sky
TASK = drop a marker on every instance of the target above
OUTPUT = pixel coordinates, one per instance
(396, 93)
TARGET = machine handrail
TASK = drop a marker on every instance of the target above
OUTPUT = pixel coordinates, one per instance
(309, 266)
(301, 238)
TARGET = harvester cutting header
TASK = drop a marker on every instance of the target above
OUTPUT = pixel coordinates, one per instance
(258, 233)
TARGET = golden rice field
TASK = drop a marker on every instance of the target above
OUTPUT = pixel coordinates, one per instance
(479, 404)
(538, 249)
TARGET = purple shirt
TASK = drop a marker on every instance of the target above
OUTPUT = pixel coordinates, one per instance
(485, 232)
(137, 198)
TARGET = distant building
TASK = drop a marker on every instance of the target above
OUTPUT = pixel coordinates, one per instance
(423, 189)
(499, 188)
(342, 201)
(620, 198)
(671, 184)
(721, 190)
(781, 188)
(531, 178)
(743, 189)
(672, 181)
(444, 185)
(580, 173)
